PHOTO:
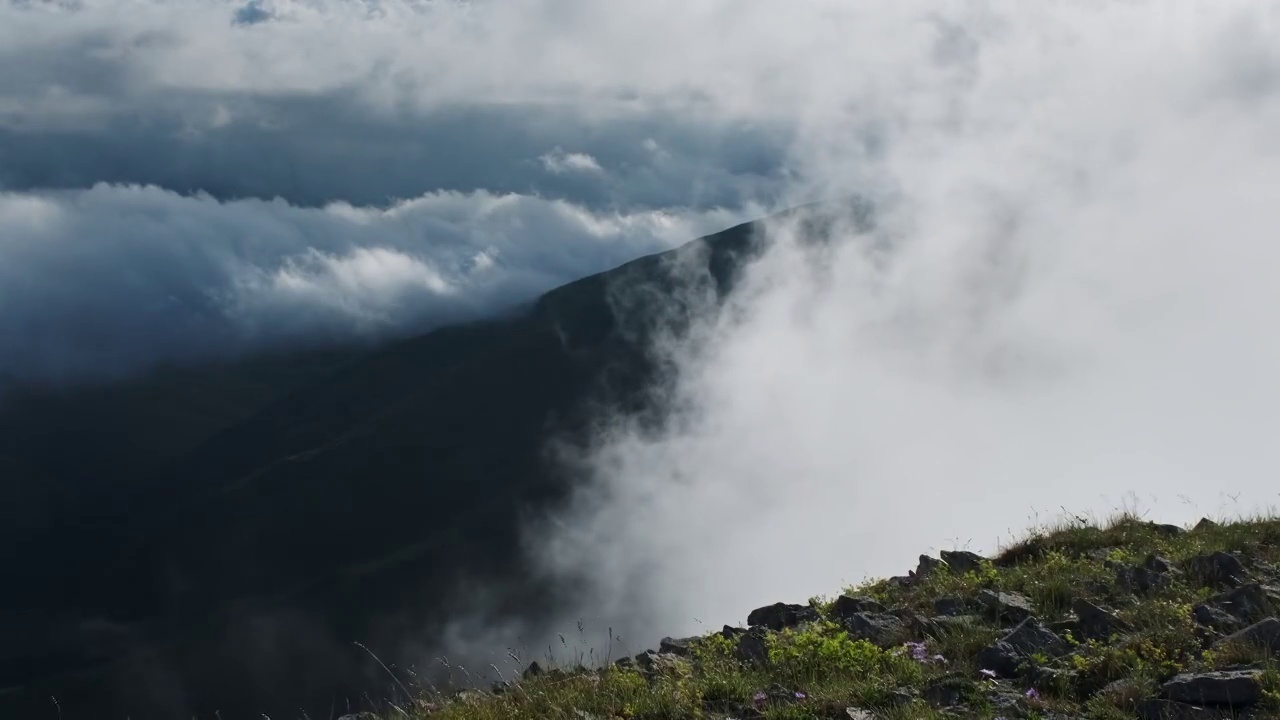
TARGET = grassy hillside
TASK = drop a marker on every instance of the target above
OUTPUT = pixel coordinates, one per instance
(1129, 619)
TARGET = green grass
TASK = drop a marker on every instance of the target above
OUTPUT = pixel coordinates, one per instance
(816, 671)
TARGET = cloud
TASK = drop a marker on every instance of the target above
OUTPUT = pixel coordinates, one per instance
(560, 162)
(115, 279)
(1066, 302)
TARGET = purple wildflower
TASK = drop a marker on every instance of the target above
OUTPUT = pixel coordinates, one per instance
(761, 698)
(1033, 694)
(800, 695)
(918, 651)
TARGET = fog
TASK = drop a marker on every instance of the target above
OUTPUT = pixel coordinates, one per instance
(1067, 308)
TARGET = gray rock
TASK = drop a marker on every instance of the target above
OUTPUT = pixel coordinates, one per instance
(752, 648)
(1264, 635)
(946, 623)
(1215, 618)
(682, 647)
(1204, 524)
(1009, 606)
(1217, 569)
(878, 628)
(859, 714)
(534, 670)
(1154, 573)
(847, 605)
(953, 605)
(962, 561)
(927, 566)
(1155, 709)
(782, 615)
(947, 691)
(1030, 637)
(1233, 689)
(1246, 603)
(656, 662)
(1095, 622)
(1168, 530)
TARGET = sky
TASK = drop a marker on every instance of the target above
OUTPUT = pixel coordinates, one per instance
(1066, 305)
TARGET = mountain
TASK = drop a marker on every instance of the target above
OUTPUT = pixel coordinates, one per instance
(246, 523)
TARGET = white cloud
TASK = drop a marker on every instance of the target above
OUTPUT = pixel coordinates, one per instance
(115, 279)
(1068, 301)
(558, 162)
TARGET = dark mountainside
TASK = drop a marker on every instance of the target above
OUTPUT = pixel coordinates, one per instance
(217, 538)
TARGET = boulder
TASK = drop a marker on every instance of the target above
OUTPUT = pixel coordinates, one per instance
(1030, 637)
(878, 628)
(1096, 622)
(781, 615)
(1007, 606)
(847, 605)
(682, 647)
(1264, 635)
(1217, 569)
(752, 648)
(1231, 689)
(1156, 709)
(1215, 618)
(1246, 603)
(1204, 524)
(927, 566)
(962, 561)
(1153, 573)
(954, 605)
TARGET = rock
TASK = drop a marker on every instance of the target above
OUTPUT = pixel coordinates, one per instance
(1168, 530)
(947, 623)
(1062, 628)
(846, 605)
(1217, 569)
(1028, 638)
(534, 670)
(1264, 635)
(962, 561)
(625, 663)
(682, 647)
(1095, 622)
(752, 648)
(781, 615)
(500, 687)
(1204, 524)
(1154, 573)
(947, 691)
(1154, 709)
(927, 566)
(953, 605)
(880, 629)
(730, 632)
(859, 714)
(656, 662)
(1233, 689)
(1013, 607)
(1215, 618)
(1246, 603)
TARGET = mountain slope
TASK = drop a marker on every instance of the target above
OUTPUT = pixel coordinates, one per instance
(363, 497)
